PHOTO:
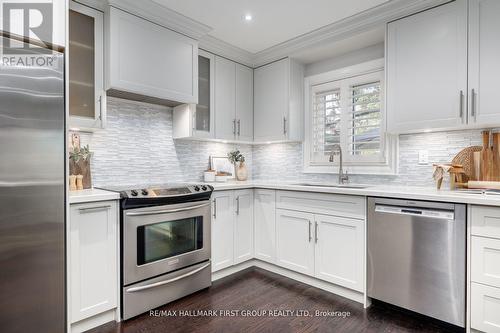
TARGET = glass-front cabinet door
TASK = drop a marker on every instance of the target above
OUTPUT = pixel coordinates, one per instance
(86, 73)
(204, 110)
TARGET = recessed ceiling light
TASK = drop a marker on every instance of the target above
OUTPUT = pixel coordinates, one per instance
(248, 17)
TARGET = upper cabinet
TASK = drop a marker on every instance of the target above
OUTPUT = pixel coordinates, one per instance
(431, 84)
(484, 64)
(86, 92)
(146, 59)
(198, 120)
(233, 100)
(427, 69)
(278, 101)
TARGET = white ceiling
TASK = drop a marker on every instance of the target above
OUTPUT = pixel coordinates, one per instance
(274, 21)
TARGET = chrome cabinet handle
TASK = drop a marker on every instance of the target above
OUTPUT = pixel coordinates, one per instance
(461, 105)
(316, 232)
(284, 125)
(88, 209)
(239, 127)
(238, 205)
(100, 107)
(473, 104)
(166, 211)
(161, 283)
(310, 236)
(234, 126)
(215, 208)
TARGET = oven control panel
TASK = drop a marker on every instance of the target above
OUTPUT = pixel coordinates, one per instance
(168, 191)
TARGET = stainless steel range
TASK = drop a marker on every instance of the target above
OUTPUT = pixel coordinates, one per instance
(165, 244)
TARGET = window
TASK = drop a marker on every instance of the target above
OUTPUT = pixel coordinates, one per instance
(346, 111)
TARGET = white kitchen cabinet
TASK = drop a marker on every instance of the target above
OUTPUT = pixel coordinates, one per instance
(265, 225)
(87, 99)
(222, 230)
(244, 103)
(243, 226)
(295, 241)
(225, 98)
(278, 101)
(426, 66)
(484, 67)
(93, 259)
(485, 261)
(198, 120)
(339, 255)
(146, 59)
(485, 308)
(233, 101)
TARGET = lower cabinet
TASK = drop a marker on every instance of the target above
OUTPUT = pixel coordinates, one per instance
(93, 259)
(265, 225)
(232, 228)
(339, 251)
(330, 248)
(485, 308)
(295, 241)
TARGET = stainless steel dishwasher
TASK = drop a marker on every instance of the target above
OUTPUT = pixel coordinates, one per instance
(417, 256)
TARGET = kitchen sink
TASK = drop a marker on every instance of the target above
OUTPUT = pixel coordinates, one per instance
(354, 186)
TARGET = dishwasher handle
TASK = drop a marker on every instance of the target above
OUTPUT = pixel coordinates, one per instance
(413, 211)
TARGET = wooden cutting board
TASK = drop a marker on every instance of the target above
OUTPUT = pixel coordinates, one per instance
(486, 158)
(495, 151)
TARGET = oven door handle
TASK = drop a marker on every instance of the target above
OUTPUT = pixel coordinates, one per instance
(161, 283)
(164, 211)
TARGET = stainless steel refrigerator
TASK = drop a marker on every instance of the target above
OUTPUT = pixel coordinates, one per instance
(32, 190)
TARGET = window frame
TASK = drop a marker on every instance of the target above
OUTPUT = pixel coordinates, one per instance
(344, 78)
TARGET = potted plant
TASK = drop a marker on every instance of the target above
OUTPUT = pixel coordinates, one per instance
(237, 158)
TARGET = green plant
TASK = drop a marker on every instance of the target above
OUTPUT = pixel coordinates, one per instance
(235, 156)
(80, 154)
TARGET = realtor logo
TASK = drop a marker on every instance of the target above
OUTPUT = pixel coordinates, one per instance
(30, 20)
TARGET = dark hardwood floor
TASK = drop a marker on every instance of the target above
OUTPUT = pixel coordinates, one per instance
(256, 289)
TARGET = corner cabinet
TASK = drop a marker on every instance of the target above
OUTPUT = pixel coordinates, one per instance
(146, 59)
(445, 80)
(278, 101)
(87, 100)
(93, 264)
(265, 225)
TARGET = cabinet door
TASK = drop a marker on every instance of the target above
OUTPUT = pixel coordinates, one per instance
(225, 121)
(485, 308)
(427, 69)
(295, 241)
(244, 103)
(86, 71)
(265, 225)
(339, 256)
(484, 67)
(204, 120)
(271, 84)
(147, 59)
(93, 252)
(243, 225)
(485, 261)
(222, 230)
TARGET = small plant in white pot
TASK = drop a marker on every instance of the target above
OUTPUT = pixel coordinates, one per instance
(237, 158)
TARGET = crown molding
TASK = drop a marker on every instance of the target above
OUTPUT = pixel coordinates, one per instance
(219, 47)
(155, 13)
(345, 28)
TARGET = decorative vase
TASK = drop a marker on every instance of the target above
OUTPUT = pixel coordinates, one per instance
(241, 172)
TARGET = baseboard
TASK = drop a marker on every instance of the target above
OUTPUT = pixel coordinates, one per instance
(94, 321)
(330, 287)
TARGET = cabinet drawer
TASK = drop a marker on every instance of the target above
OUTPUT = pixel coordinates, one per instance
(485, 308)
(322, 203)
(485, 261)
(485, 221)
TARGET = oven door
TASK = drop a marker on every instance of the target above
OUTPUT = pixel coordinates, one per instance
(158, 240)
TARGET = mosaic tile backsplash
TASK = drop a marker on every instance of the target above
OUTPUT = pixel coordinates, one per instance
(137, 148)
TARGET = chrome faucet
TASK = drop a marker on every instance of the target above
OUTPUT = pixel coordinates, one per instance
(343, 178)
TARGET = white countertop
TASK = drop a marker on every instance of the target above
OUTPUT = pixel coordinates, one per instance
(92, 195)
(404, 192)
